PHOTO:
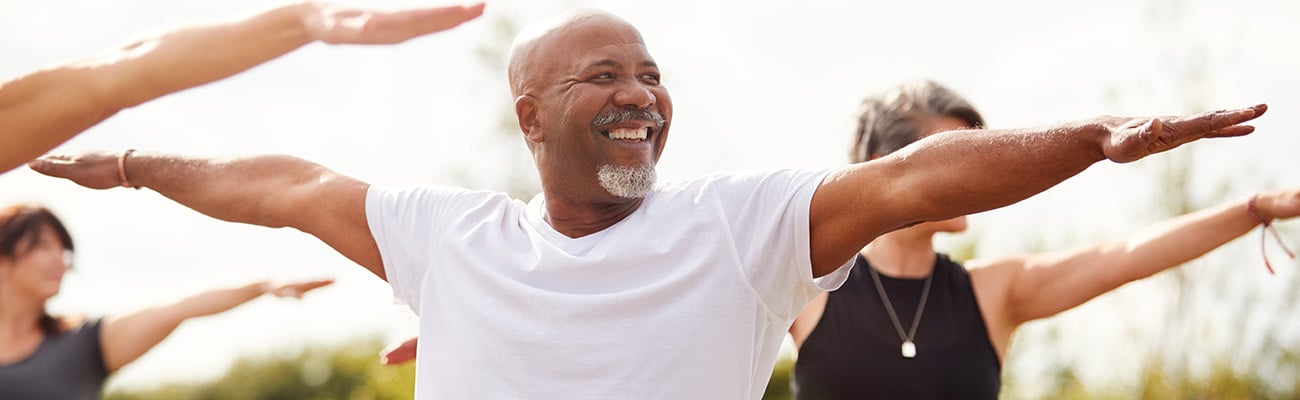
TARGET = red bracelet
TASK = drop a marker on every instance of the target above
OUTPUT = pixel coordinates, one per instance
(1266, 226)
(121, 169)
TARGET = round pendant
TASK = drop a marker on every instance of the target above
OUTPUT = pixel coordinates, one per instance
(909, 349)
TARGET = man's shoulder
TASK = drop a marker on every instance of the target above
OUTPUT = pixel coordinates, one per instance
(433, 192)
(435, 200)
(741, 179)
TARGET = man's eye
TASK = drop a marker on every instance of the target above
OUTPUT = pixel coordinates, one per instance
(605, 75)
(651, 77)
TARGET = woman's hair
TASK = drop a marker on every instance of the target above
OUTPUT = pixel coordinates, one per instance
(21, 226)
(887, 121)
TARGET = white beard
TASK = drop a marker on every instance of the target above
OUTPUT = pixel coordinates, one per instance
(627, 182)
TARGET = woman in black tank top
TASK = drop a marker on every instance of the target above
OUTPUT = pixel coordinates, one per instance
(911, 324)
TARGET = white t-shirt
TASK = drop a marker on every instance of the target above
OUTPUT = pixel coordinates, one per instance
(689, 297)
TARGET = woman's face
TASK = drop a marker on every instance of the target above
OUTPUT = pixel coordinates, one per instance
(953, 225)
(39, 266)
(930, 126)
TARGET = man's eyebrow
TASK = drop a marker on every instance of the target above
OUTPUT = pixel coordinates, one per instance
(610, 63)
(603, 63)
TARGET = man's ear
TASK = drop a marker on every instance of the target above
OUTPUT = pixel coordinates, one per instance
(526, 113)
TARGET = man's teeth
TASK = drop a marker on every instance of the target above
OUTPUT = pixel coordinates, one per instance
(628, 133)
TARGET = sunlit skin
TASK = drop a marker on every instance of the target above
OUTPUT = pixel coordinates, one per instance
(563, 77)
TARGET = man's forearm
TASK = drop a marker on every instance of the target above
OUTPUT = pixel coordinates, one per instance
(962, 172)
(262, 190)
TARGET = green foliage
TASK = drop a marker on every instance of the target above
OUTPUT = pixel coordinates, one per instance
(1221, 383)
(350, 371)
(779, 387)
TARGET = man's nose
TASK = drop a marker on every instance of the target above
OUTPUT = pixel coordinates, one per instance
(635, 95)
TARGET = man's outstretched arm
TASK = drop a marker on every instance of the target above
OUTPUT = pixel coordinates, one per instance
(47, 107)
(272, 191)
(963, 172)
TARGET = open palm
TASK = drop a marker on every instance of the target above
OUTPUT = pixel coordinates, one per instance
(339, 24)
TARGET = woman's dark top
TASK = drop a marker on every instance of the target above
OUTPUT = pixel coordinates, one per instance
(67, 366)
(854, 352)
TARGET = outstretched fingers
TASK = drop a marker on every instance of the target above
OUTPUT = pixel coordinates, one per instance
(400, 353)
(430, 20)
(1133, 139)
(48, 164)
(1222, 123)
(347, 25)
(297, 289)
(98, 170)
(1231, 131)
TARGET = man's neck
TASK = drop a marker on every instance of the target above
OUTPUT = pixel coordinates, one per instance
(577, 219)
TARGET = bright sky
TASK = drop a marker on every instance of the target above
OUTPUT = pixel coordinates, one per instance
(755, 85)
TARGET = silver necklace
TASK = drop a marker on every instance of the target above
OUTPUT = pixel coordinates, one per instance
(908, 348)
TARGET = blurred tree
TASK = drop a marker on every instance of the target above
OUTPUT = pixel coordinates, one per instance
(506, 147)
(1220, 336)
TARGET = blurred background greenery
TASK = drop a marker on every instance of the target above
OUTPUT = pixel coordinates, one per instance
(347, 371)
(352, 371)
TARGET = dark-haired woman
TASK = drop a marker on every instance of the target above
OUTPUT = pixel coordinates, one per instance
(59, 357)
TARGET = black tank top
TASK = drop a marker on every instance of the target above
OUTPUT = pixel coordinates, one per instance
(854, 352)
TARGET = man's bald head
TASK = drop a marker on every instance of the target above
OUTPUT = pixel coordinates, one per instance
(590, 106)
(535, 50)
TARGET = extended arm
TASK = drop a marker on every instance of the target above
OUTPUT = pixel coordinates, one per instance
(962, 172)
(272, 191)
(1041, 285)
(400, 353)
(126, 338)
(47, 107)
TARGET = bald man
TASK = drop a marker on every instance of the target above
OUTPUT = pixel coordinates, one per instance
(608, 284)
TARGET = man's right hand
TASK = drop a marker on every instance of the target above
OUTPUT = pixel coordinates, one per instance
(1131, 139)
(95, 170)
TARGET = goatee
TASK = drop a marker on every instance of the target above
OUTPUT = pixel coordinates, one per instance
(627, 182)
